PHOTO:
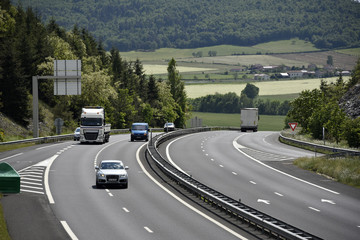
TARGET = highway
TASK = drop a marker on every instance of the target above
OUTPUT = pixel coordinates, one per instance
(257, 169)
(252, 167)
(143, 211)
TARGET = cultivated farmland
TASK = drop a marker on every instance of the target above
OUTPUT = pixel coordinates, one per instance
(266, 88)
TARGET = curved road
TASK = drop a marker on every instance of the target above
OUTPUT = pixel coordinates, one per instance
(143, 211)
(256, 168)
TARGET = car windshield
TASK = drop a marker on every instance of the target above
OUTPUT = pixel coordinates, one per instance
(111, 165)
(139, 127)
(91, 121)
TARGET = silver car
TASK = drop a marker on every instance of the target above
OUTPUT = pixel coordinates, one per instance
(77, 134)
(111, 172)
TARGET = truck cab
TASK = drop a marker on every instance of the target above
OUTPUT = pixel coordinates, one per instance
(139, 131)
(93, 127)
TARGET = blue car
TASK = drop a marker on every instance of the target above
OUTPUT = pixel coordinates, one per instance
(139, 131)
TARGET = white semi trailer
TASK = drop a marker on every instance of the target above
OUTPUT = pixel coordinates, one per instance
(249, 119)
(93, 128)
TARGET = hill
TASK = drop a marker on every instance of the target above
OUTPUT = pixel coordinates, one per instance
(148, 25)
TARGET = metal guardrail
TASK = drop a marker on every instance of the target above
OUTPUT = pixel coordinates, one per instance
(233, 207)
(335, 152)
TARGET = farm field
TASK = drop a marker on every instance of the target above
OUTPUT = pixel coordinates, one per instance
(165, 54)
(266, 122)
(266, 88)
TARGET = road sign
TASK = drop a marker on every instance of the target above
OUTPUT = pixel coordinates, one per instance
(293, 125)
(65, 69)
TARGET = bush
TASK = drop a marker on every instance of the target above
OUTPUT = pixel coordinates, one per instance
(352, 132)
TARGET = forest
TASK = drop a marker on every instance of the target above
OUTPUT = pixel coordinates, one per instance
(148, 25)
(28, 48)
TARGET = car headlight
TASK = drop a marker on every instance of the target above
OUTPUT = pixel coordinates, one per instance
(100, 174)
(122, 175)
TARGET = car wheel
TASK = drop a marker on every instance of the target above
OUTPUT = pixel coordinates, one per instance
(126, 185)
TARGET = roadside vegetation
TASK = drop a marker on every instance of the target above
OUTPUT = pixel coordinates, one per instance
(344, 170)
(4, 235)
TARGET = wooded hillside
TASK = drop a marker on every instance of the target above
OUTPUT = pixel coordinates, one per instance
(143, 24)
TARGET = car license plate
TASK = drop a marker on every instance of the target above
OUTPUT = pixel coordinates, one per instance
(112, 179)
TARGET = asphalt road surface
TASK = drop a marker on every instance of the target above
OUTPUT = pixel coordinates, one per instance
(256, 168)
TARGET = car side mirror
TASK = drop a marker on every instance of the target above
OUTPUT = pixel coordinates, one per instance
(97, 168)
(126, 167)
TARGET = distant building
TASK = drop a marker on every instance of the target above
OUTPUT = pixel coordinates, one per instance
(284, 75)
(261, 77)
(295, 74)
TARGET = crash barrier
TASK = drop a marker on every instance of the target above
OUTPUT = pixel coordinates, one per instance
(64, 137)
(331, 152)
(231, 206)
(9, 179)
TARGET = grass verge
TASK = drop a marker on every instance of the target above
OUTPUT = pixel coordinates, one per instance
(4, 148)
(4, 235)
(266, 122)
(343, 170)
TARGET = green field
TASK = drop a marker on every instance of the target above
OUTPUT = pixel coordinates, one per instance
(284, 46)
(266, 88)
(266, 122)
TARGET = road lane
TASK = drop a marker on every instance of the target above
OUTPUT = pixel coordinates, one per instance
(143, 211)
(212, 159)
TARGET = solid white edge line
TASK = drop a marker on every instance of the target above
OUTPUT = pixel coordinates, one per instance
(68, 230)
(276, 170)
(10, 157)
(182, 201)
(46, 180)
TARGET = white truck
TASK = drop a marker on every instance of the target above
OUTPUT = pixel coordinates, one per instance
(249, 119)
(93, 127)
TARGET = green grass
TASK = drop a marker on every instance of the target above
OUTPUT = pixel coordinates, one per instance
(266, 122)
(344, 170)
(284, 46)
(350, 51)
(4, 235)
(4, 148)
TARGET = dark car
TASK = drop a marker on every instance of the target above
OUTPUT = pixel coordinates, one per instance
(169, 127)
(139, 131)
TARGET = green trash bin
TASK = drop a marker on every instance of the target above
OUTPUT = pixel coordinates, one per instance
(9, 179)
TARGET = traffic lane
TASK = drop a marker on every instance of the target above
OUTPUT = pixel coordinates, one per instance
(28, 156)
(143, 211)
(267, 141)
(226, 162)
(171, 220)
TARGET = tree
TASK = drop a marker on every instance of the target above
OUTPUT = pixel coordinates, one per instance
(177, 90)
(251, 91)
(330, 60)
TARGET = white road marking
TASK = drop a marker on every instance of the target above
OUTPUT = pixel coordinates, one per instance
(264, 201)
(3, 159)
(25, 186)
(126, 210)
(317, 210)
(27, 178)
(148, 229)
(68, 230)
(252, 182)
(111, 195)
(212, 159)
(234, 173)
(53, 145)
(328, 201)
(24, 190)
(279, 194)
(32, 183)
(182, 201)
(221, 166)
(235, 144)
(46, 179)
